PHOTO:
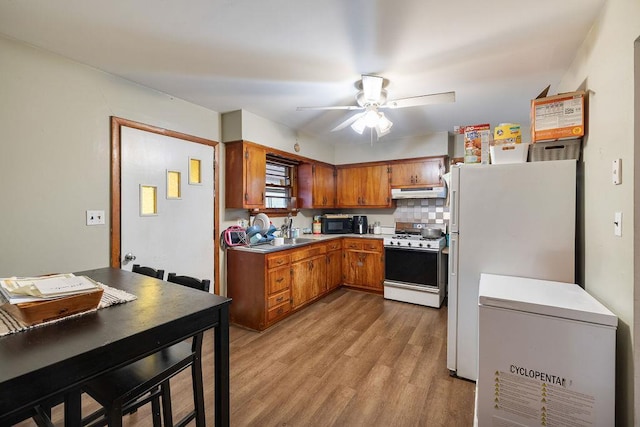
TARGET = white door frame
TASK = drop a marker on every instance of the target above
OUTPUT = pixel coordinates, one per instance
(115, 230)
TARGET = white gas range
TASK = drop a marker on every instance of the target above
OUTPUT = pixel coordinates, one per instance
(414, 269)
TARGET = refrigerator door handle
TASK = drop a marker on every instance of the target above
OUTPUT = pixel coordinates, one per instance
(454, 199)
(452, 317)
(454, 210)
(453, 257)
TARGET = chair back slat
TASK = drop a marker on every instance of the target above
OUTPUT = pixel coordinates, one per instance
(189, 281)
(148, 271)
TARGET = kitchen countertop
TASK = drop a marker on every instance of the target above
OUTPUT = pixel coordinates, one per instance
(305, 239)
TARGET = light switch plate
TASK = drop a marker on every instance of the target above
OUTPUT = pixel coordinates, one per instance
(95, 218)
(617, 223)
(616, 172)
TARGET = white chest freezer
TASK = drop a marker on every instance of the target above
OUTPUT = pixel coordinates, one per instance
(546, 355)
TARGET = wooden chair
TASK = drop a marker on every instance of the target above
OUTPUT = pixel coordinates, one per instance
(191, 282)
(128, 388)
(148, 271)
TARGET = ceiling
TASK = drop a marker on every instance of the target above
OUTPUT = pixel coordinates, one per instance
(271, 56)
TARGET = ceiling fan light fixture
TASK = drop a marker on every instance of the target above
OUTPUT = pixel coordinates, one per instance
(359, 125)
(381, 132)
(371, 117)
(384, 124)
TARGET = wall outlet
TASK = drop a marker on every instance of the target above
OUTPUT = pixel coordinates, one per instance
(95, 218)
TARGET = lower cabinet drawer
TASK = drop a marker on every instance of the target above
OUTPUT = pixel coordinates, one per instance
(278, 299)
(278, 311)
(278, 279)
(334, 245)
(373, 245)
(352, 244)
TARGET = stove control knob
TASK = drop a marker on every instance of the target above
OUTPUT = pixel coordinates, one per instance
(428, 245)
(409, 244)
(421, 245)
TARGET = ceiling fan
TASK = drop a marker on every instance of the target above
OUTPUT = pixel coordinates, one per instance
(371, 97)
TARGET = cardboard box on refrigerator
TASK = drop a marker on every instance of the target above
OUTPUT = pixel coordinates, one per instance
(558, 117)
(476, 143)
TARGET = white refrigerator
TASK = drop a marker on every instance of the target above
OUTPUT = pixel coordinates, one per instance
(510, 219)
(547, 354)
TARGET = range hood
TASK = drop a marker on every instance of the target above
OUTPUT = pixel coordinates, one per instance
(419, 193)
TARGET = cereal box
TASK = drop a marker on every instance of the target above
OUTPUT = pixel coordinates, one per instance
(476, 143)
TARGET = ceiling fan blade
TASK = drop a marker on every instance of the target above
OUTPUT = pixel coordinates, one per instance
(338, 107)
(414, 101)
(372, 88)
(347, 122)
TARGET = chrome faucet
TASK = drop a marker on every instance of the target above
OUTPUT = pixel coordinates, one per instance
(285, 230)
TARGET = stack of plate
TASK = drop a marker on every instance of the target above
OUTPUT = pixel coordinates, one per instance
(262, 222)
(261, 230)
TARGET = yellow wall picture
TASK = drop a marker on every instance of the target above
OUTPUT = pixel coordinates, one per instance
(148, 200)
(173, 185)
(195, 174)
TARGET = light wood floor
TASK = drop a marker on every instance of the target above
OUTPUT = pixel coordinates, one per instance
(350, 359)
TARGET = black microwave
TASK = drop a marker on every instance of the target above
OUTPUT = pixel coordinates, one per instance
(336, 225)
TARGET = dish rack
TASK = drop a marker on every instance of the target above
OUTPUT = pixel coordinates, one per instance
(234, 236)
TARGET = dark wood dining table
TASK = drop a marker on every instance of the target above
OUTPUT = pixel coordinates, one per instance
(54, 359)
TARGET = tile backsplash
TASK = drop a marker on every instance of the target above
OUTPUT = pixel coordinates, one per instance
(422, 210)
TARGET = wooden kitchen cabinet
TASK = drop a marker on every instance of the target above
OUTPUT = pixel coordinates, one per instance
(308, 280)
(316, 186)
(308, 274)
(334, 264)
(246, 167)
(425, 172)
(363, 263)
(363, 186)
(265, 288)
(260, 286)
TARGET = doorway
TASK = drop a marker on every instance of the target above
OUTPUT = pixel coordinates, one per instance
(153, 208)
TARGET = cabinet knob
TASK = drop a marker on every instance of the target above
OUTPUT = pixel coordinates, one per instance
(279, 279)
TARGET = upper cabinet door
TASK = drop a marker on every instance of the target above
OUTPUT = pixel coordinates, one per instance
(376, 191)
(348, 187)
(418, 173)
(324, 186)
(255, 173)
(364, 186)
(316, 186)
(246, 168)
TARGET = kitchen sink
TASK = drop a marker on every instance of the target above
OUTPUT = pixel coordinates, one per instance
(298, 241)
(269, 247)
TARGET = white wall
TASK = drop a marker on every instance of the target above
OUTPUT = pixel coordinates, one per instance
(243, 124)
(387, 148)
(605, 66)
(55, 157)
